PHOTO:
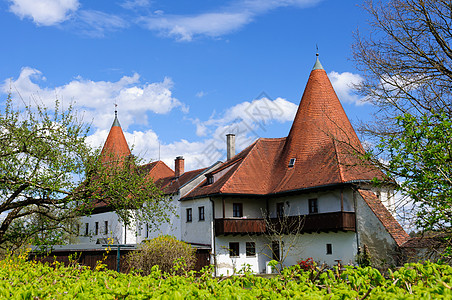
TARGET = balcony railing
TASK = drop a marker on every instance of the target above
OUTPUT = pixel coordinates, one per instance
(239, 226)
(325, 222)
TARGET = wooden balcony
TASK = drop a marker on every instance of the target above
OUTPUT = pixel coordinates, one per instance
(239, 226)
(334, 221)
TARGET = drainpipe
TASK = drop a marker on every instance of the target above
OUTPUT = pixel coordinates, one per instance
(213, 239)
(356, 219)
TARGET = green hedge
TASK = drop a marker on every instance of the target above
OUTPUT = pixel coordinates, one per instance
(21, 279)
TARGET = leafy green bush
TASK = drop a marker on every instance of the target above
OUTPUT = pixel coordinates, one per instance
(170, 254)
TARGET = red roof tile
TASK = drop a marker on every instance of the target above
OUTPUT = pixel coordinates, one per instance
(115, 146)
(389, 222)
(171, 184)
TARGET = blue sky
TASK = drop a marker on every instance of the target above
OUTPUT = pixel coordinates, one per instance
(183, 73)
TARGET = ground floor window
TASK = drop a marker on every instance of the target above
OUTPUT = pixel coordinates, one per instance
(329, 249)
(234, 249)
(250, 249)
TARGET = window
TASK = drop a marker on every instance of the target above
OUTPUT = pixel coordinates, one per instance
(97, 228)
(106, 227)
(329, 249)
(209, 179)
(250, 249)
(189, 215)
(147, 230)
(237, 210)
(201, 213)
(280, 209)
(313, 208)
(234, 249)
(292, 162)
(86, 229)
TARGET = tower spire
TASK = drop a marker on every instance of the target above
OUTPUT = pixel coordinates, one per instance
(317, 65)
(116, 121)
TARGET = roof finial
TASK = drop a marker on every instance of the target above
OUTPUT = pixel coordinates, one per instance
(317, 65)
(116, 122)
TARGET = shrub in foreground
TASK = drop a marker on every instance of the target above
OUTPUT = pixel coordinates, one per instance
(170, 254)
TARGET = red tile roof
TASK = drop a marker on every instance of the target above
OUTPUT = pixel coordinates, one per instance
(389, 222)
(157, 170)
(115, 146)
(322, 142)
(171, 184)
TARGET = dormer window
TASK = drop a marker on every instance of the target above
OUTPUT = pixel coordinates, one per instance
(209, 179)
(292, 162)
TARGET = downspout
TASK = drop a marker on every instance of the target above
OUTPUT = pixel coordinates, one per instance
(213, 239)
(356, 220)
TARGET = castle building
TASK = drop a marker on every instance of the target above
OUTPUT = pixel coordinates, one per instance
(305, 195)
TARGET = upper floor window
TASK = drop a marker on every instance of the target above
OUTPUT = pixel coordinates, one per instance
(313, 207)
(234, 249)
(201, 213)
(209, 179)
(86, 229)
(106, 227)
(292, 162)
(189, 215)
(96, 228)
(280, 209)
(237, 210)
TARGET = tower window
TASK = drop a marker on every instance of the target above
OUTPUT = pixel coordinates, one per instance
(292, 162)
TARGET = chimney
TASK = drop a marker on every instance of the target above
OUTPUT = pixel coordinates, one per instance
(230, 145)
(179, 166)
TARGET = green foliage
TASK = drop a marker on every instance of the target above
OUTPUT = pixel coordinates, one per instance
(49, 177)
(166, 252)
(20, 279)
(421, 154)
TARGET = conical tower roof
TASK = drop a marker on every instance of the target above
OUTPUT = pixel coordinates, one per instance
(322, 143)
(115, 146)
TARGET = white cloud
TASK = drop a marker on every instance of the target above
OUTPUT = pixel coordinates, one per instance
(216, 23)
(96, 98)
(135, 4)
(44, 12)
(343, 85)
(201, 94)
(95, 23)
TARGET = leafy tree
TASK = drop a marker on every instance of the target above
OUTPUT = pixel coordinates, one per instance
(49, 177)
(407, 67)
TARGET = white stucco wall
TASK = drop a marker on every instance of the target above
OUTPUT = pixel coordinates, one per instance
(295, 248)
(196, 231)
(327, 201)
(374, 235)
